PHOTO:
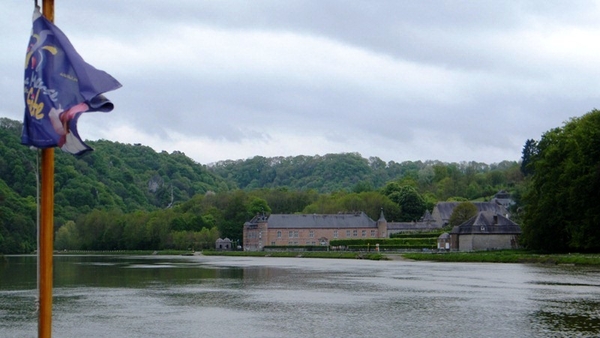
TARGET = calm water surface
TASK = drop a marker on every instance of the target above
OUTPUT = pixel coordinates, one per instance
(177, 296)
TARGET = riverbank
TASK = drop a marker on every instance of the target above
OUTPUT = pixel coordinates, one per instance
(500, 256)
(304, 254)
(124, 252)
(507, 256)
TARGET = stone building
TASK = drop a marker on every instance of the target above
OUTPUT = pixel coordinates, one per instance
(503, 198)
(444, 241)
(426, 223)
(311, 229)
(320, 229)
(443, 210)
(223, 244)
(485, 231)
(440, 216)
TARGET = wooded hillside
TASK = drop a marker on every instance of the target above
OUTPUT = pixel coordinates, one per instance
(123, 184)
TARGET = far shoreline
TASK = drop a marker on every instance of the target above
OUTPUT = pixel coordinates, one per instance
(498, 256)
(508, 256)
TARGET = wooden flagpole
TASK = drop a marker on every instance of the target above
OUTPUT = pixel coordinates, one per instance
(46, 236)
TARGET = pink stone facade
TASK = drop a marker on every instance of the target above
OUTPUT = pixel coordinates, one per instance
(258, 233)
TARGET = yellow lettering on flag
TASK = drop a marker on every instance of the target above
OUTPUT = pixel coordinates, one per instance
(35, 107)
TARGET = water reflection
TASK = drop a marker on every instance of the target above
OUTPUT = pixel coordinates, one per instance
(582, 317)
(155, 296)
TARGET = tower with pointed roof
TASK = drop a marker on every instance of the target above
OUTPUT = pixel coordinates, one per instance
(382, 225)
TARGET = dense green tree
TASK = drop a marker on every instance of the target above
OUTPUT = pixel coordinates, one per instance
(426, 176)
(193, 240)
(326, 173)
(430, 201)
(412, 204)
(371, 203)
(496, 178)
(133, 229)
(390, 188)
(17, 222)
(258, 206)
(529, 152)
(362, 186)
(462, 213)
(66, 237)
(562, 211)
(445, 188)
(235, 214)
(379, 172)
(473, 191)
(285, 201)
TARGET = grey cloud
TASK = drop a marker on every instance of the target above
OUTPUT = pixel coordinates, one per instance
(478, 87)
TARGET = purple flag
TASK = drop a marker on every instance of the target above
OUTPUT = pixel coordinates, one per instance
(59, 87)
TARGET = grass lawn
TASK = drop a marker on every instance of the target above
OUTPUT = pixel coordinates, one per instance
(507, 256)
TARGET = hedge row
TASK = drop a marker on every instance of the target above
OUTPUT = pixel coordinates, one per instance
(385, 241)
(416, 235)
(389, 247)
(295, 247)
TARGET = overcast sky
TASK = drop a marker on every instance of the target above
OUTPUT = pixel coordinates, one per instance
(401, 80)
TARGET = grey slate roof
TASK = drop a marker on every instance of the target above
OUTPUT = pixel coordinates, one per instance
(411, 226)
(381, 217)
(487, 222)
(503, 198)
(445, 209)
(502, 194)
(427, 217)
(327, 221)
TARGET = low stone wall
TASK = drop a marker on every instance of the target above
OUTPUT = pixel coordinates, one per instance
(479, 242)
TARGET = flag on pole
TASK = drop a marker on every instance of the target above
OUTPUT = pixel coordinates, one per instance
(59, 87)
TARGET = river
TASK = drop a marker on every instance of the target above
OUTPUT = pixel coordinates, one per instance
(211, 296)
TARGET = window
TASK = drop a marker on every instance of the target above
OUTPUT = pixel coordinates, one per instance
(296, 234)
(291, 234)
(272, 243)
(311, 234)
(372, 233)
(347, 233)
(364, 233)
(335, 234)
(278, 234)
(354, 233)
